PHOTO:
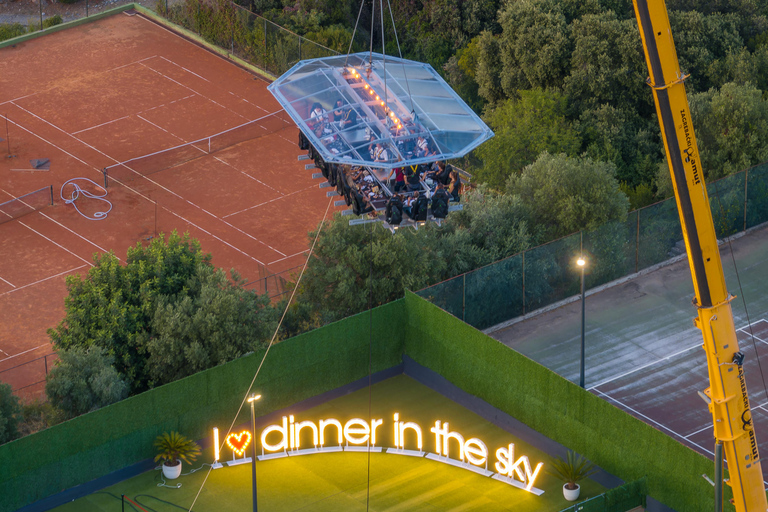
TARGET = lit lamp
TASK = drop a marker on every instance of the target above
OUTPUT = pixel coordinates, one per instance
(251, 400)
(581, 262)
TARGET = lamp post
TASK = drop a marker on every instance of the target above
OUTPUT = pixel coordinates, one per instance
(251, 400)
(581, 262)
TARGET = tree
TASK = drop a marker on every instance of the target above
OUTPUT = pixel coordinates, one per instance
(10, 409)
(536, 46)
(164, 314)
(216, 322)
(731, 128)
(607, 65)
(524, 128)
(83, 380)
(563, 195)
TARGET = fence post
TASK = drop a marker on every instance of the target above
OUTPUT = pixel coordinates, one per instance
(746, 180)
(45, 360)
(637, 243)
(51, 195)
(464, 297)
(299, 47)
(524, 282)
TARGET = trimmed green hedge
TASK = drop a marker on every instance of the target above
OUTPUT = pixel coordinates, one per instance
(558, 408)
(117, 436)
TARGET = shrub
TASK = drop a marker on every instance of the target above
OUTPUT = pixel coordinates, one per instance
(11, 30)
(9, 414)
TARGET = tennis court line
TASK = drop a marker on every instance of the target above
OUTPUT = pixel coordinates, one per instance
(41, 280)
(611, 379)
(194, 91)
(166, 131)
(25, 352)
(313, 186)
(165, 104)
(56, 244)
(185, 69)
(651, 420)
(77, 234)
(246, 174)
(98, 125)
(248, 101)
(289, 256)
(129, 64)
(151, 181)
(7, 282)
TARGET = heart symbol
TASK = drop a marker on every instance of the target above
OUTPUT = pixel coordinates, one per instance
(239, 442)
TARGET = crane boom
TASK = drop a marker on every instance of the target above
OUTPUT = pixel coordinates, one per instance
(729, 405)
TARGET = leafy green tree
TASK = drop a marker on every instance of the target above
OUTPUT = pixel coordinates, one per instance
(563, 195)
(488, 67)
(623, 137)
(217, 321)
(731, 128)
(348, 261)
(536, 46)
(741, 67)
(83, 380)
(461, 74)
(524, 128)
(607, 65)
(10, 410)
(700, 40)
(112, 307)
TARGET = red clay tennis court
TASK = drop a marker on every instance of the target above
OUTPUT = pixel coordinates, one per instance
(89, 97)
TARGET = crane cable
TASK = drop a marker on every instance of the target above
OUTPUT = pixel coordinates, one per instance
(741, 291)
(271, 342)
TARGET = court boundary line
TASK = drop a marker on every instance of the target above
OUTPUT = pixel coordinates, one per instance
(630, 372)
(185, 69)
(651, 420)
(76, 234)
(41, 280)
(7, 282)
(24, 352)
(56, 244)
(270, 201)
(99, 125)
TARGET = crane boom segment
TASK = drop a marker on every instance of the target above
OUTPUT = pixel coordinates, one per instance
(729, 405)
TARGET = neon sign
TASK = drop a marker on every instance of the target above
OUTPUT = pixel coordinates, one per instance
(329, 434)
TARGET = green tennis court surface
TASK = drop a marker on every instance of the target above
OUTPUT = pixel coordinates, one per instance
(340, 481)
(643, 353)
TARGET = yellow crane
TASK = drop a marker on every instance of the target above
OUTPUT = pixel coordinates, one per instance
(727, 392)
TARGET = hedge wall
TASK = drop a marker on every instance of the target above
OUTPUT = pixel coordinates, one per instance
(558, 408)
(98, 443)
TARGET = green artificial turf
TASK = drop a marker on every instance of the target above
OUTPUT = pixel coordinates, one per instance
(340, 481)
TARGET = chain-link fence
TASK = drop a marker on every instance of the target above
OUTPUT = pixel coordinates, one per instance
(244, 34)
(547, 274)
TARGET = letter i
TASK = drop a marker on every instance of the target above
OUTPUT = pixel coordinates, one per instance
(397, 431)
(290, 432)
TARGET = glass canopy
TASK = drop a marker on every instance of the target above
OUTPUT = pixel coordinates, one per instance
(362, 109)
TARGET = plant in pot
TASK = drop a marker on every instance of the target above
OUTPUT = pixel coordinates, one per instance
(172, 449)
(571, 470)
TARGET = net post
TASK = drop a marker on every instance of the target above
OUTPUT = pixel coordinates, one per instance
(106, 177)
(51, 189)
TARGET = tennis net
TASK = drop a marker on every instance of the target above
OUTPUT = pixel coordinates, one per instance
(175, 156)
(25, 204)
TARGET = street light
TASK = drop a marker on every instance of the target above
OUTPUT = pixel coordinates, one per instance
(581, 262)
(251, 400)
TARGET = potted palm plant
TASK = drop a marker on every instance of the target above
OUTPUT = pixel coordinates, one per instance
(172, 449)
(571, 470)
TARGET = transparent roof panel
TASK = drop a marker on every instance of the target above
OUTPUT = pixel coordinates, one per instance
(346, 105)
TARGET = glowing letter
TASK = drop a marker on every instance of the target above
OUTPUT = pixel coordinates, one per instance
(323, 424)
(300, 426)
(283, 444)
(502, 466)
(476, 451)
(438, 437)
(374, 424)
(452, 435)
(411, 425)
(397, 430)
(350, 431)
(215, 444)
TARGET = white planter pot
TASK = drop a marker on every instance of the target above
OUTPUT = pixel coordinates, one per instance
(571, 494)
(172, 472)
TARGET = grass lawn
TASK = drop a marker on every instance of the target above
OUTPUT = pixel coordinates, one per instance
(340, 481)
